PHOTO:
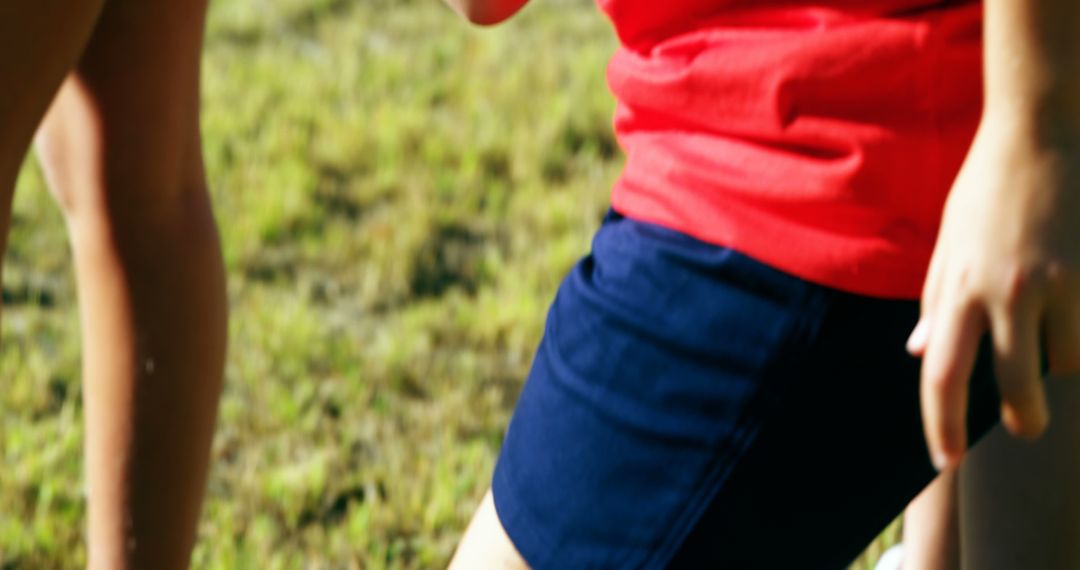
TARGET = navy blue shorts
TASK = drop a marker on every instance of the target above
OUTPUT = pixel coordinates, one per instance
(689, 406)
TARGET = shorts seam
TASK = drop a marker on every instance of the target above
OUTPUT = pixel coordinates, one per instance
(803, 327)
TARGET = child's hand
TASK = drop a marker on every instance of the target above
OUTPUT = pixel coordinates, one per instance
(1007, 261)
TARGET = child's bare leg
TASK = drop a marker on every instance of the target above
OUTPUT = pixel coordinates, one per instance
(121, 150)
(931, 529)
(485, 545)
(1019, 501)
(39, 42)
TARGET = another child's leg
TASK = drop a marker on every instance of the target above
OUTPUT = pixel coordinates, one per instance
(1019, 501)
(39, 42)
(931, 530)
(121, 150)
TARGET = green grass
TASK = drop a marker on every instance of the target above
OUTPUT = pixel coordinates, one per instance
(399, 195)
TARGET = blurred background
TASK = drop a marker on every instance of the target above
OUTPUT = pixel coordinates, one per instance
(399, 196)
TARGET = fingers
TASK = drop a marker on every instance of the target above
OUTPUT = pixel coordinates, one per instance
(1016, 365)
(920, 336)
(947, 365)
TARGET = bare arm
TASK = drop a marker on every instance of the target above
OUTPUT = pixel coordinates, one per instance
(1033, 66)
(1007, 259)
(486, 12)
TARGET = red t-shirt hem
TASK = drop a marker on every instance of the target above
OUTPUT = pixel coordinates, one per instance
(852, 264)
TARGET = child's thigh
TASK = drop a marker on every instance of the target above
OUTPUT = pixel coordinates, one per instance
(40, 40)
(129, 112)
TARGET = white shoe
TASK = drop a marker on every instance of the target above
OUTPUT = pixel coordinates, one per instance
(893, 559)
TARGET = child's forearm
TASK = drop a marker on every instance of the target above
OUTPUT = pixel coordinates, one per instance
(1007, 257)
(486, 12)
(1033, 65)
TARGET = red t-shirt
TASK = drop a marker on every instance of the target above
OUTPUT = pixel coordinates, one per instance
(818, 137)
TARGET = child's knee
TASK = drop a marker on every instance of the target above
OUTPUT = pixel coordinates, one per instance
(97, 166)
